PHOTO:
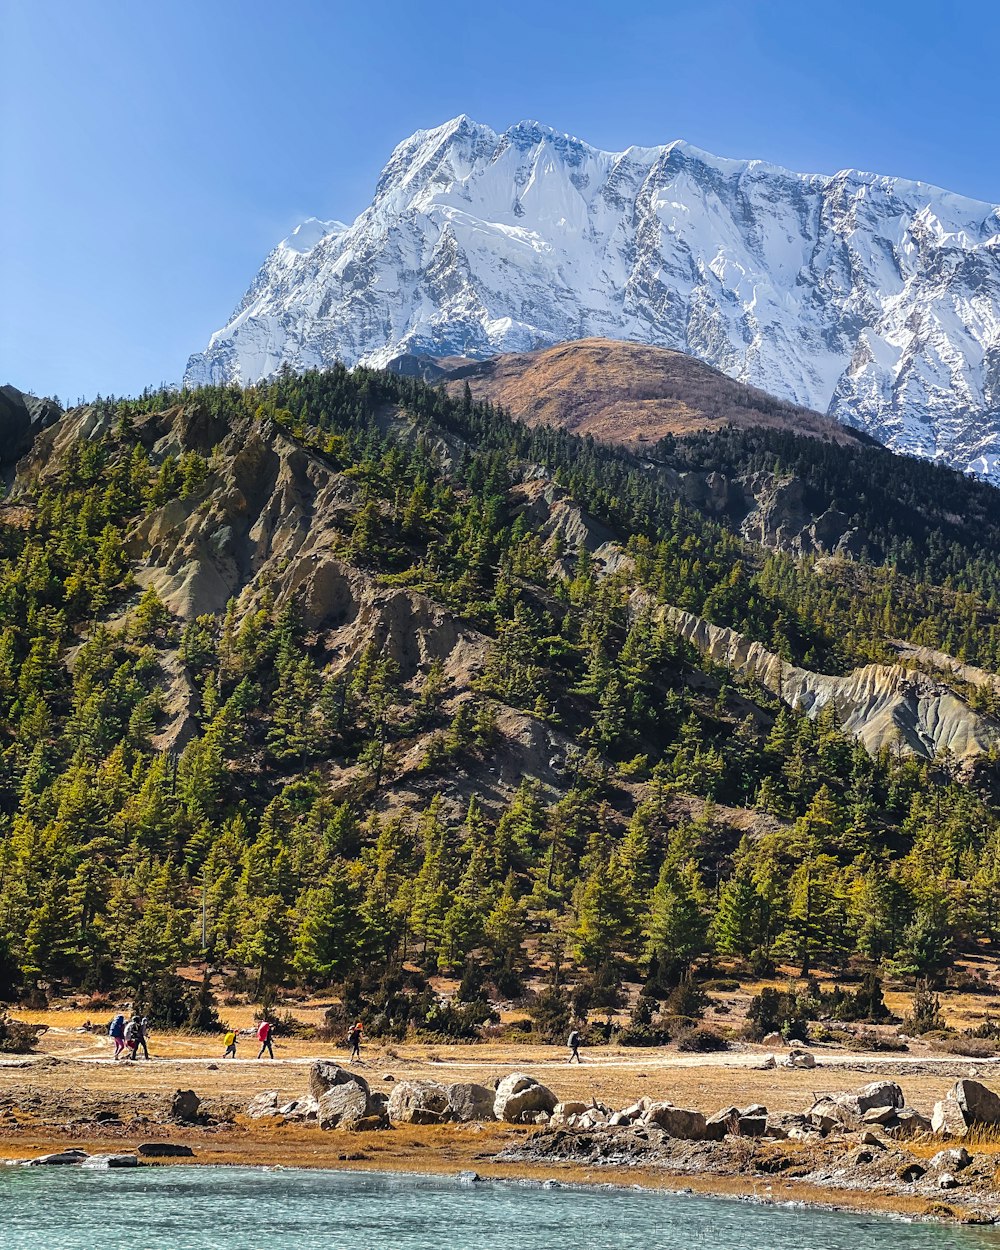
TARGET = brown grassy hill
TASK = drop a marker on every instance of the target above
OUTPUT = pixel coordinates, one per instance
(621, 392)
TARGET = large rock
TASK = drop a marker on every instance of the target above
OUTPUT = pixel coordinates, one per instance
(60, 1157)
(798, 1059)
(878, 1095)
(468, 1102)
(966, 1105)
(184, 1105)
(419, 1102)
(164, 1150)
(110, 1161)
(263, 1105)
(677, 1121)
(343, 1106)
(519, 1098)
(325, 1074)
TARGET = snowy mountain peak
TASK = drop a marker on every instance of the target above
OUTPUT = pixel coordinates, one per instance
(873, 298)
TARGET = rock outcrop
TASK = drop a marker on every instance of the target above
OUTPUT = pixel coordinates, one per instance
(882, 705)
(519, 1098)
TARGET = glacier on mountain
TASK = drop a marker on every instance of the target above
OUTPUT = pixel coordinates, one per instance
(872, 298)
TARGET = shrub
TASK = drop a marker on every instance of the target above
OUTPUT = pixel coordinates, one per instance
(643, 1028)
(721, 987)
(550, 1013)
(779, 1011)
(925, 1013)
(688, 999)
(702, 1041)
(970, 1047)
(18, 1037)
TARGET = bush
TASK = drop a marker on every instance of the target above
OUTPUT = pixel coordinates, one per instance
(779, 1011)
(925, 1013)
(550, 1013)
(702, 1041)
(970, 1047)
(688, 999)
(721, 987)
(643, 1028)
(17, 1037)
(868, 1039)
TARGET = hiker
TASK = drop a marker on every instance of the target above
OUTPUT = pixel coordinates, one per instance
(116, 1031)
(131, 1038)
(141, 1036)
(264, 1037)
(573, 1042)
(231, 1045)
(354, 1035)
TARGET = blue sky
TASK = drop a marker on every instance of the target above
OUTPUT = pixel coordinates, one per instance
(151, 154)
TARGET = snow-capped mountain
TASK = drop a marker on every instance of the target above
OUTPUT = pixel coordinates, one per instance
(872, 298)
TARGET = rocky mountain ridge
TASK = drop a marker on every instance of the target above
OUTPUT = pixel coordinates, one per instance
(873, 299)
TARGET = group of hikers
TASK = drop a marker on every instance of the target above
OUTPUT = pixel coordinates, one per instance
(128, 1036)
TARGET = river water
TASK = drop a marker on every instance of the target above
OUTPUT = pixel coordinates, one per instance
(215, 1208)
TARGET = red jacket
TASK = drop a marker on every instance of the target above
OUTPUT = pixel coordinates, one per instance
(264, 1032)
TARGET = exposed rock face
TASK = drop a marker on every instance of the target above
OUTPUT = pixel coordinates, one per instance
(419, 1102)
(22, 417)
(264, 1105)
(519, 1097)
(881, 704)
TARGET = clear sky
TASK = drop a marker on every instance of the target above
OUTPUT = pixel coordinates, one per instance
(153, 151)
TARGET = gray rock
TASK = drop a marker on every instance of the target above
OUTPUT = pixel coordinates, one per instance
(343, 1106)
(468, 1102)
(953, 1159)
(59, 1158)
(263, 1105)
(418, 1102)
(978, 1104)
(110, 1161)
(798, 1059)
(184, 1105)
(947, 1181)
(325, 1074)
(880, 1095)
(519, 1096)
(677, 1121)
(909, 1123)
(164, 1150)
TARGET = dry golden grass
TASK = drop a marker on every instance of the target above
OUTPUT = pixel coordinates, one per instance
(629, 393)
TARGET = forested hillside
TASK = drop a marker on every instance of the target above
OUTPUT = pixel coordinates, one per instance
(338, 679)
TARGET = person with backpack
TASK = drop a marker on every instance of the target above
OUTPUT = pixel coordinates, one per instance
(132, 1038)
(354, 1035)
(116, 1031)
(141, 1037)
(573, 1042)
(264, 1037)
(230, 1039)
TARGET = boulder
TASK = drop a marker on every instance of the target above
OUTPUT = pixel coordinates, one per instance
(299, 1109)
(676, 1121)
(951, 1160)
(947, 1181)
(343, 1106)
(184, 1105)
(59, 1158)
(519, 1096)
(798, 1059)
(566, 1109)
(110, 1161)
(325, 1074)
(909, 1123)
(164, 1150)
(978, 1104)
(967, 1104)
(468, 1102)
(263, 1105)
(868, 1138)
(880, 1096)
(418, 1102)
(784, 1124)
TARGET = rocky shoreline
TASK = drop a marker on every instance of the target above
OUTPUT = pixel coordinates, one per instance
(863, 1150)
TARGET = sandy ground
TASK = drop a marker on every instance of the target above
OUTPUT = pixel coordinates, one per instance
(54, 1099)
